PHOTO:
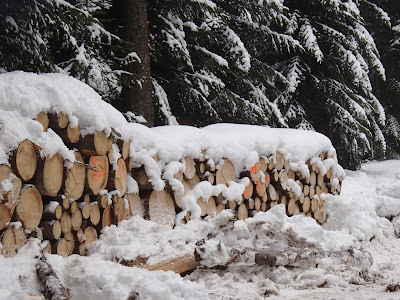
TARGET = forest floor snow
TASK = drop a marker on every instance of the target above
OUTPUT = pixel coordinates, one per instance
(363, 219)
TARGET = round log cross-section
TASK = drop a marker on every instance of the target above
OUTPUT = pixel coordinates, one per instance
(97, 175)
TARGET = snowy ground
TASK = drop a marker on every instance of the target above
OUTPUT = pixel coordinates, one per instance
(359, 219)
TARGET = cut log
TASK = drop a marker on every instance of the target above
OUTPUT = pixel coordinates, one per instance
(190, 168)
(291, 206)
(58, 121)
(135, 205)
(306, 190)
(49, 175)
(242, 212)
(60, 247)
(257, 204)
(90, 235)
(272, 193)
(231, 204)
(280, 161)
(118, 178)
(140, 175)
(73, 134)
(10, 187)
(203, 206)
(102, 200)
(161, 208)
(45, 246)
(24, 160)
(194, 181)
(313, 178)
(52, 211)
(306, 204)
(119, 210)
(264, 206)
(255, 172)
(70, 238)
(73, 207)
(178, 198)
(85, 209)
(76, 220)
(97, 144)
(248, 192)
(75, 177)
(260, 187)
(211, 178)
(225, 173)
(97, 177)
(29, 209)
(12, 239)
(43, 119)
(314, 205)
(95, 213)
(263, 164)
(53, 288)
(51, 230)
(211, 207)
(66, 223)
(124, 147)
(220, 207)
(106, 217)
(250, 204)
(283, 200)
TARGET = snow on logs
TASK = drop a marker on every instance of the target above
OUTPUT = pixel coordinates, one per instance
(67, 203)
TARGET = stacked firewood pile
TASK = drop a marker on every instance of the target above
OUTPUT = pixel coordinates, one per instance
(271, 183)
(66, 208)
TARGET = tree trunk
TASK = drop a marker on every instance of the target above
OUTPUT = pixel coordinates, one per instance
(131, 16)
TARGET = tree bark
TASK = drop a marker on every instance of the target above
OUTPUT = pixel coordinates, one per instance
(131, 16)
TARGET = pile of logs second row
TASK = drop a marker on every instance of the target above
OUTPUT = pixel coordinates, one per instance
(66, 208)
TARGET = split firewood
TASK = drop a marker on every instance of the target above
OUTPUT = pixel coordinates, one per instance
(29, 209)
(10, 187)
(49, 175)
(53, 288)
(12, 239)
(97, 144)
(24, 160)
(97, 179)
(75, 177)
(135, 205)
(51, 230)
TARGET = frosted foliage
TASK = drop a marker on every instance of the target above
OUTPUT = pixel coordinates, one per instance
(164, 104)
(238, 48)
(310, 41)
(293, 76)
(176, 36)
